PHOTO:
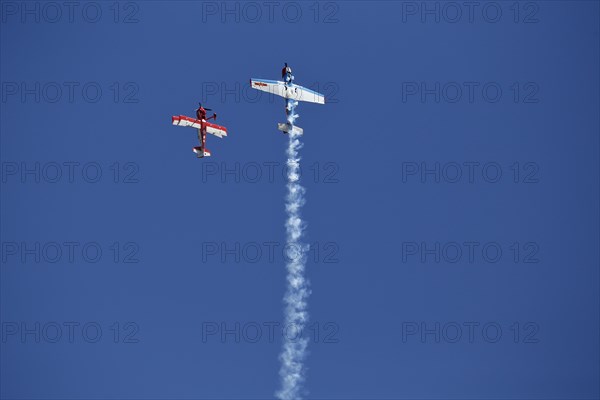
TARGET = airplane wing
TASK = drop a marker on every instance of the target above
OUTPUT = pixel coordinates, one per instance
(217, 130)
(213, 129)
(182, 120)
(295, 92)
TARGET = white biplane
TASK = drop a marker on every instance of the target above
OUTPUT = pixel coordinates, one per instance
(289, 91)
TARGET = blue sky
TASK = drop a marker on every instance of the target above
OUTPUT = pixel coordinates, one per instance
(441, 145)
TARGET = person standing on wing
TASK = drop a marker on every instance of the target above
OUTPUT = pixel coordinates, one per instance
(286, 74)
(201, 113)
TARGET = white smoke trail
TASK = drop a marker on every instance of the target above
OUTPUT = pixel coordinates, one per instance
(292, 356)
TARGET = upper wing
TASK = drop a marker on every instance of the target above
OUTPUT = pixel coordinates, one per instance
(295, 92)
(303, 94)
(213, 129)
(216, 130)
(182, 120)
(273, 87)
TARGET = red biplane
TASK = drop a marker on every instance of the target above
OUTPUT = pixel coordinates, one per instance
(201, 123)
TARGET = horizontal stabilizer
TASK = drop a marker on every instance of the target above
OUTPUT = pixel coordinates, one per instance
(200, 152)
(287, 128)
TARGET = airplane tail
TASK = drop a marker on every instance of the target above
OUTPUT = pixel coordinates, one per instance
(200, 152)
(287, 128)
